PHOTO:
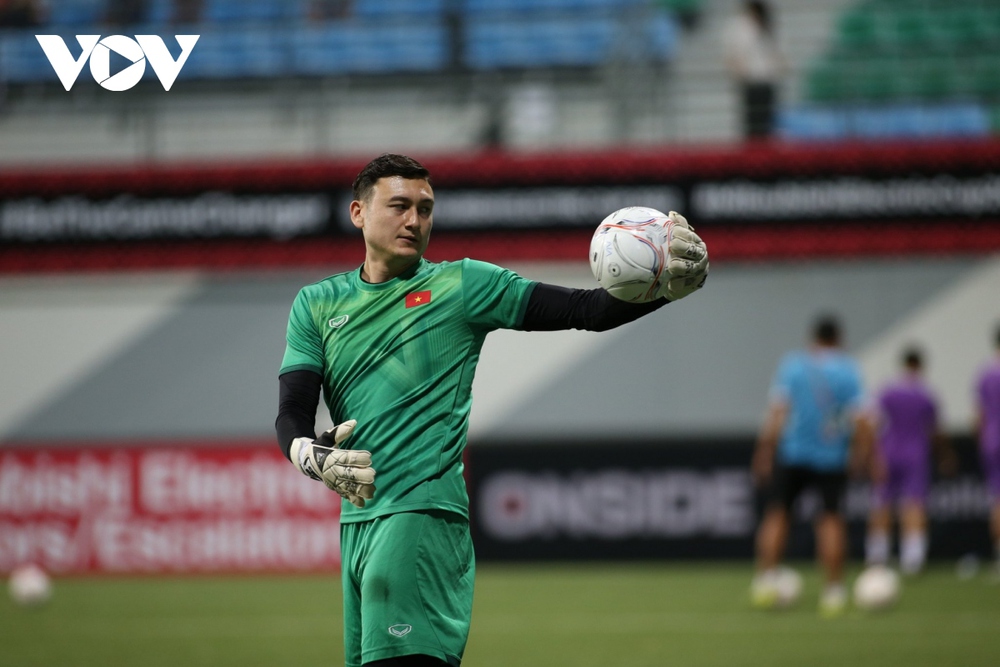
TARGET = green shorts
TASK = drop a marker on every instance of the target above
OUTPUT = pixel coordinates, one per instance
(408, 581)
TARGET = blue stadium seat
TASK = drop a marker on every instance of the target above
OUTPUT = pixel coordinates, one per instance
(819, 123)
(239, 11)
(238, 52)
(474, 7)
(919, 122)
(66, 13)
(495, 42)
(22, 59)
(897, 121)
(381, 9)
(160, 12)
(353, 47)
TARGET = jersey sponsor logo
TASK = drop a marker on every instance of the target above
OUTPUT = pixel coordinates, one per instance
(400, 629)
(414, 299)
(339, 321)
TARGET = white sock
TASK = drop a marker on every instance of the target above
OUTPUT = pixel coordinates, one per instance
(877, 548)
(913, 552)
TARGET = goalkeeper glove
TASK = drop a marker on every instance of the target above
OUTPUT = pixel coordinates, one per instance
(347, 471)
(687, 260)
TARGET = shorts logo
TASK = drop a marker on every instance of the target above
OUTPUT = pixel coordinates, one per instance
(339, 321)
(400, 629)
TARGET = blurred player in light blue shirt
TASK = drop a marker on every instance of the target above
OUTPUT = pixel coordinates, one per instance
(815, 426)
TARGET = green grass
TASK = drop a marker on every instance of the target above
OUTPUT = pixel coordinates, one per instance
(547, 615)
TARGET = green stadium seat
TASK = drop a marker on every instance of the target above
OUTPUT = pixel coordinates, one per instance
(828, 82)
(860, 30)
(877, 80)
(986, 76)
(911, 30)
(930, 79)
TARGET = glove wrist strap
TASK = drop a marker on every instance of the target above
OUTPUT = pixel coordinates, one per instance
(303, 461)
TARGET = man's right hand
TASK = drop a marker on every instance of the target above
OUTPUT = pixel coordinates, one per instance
(347, 471)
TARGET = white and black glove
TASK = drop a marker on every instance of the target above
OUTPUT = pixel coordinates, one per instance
(687, 260)
(347, 471)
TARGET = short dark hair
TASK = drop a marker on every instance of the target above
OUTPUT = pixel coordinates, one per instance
(913, 357)
(384, 166)
(826, 330)
(997, 338)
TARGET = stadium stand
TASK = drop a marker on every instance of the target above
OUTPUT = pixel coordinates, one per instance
(914, 68)
(272, 38)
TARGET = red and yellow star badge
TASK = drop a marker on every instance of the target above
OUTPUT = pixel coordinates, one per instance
(414, 299)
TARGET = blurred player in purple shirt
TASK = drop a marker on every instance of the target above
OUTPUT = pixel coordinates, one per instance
(988, 426)
(907, 416)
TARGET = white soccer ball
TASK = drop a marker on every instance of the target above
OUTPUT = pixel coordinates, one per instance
(29, 586)
(628, 253)
(877, 587)
(787, 586)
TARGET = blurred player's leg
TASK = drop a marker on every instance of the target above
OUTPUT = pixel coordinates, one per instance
(878, 540)
(991, 468)
(831, 544)
(771, 538)
(913, 542)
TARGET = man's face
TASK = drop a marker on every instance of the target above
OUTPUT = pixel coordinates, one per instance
(396, 219)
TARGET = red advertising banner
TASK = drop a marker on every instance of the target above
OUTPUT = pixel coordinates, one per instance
(164, 510)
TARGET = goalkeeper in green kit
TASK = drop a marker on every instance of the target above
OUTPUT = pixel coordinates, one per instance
(393, 347)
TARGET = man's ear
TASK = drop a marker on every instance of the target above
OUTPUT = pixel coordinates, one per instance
(357, 214)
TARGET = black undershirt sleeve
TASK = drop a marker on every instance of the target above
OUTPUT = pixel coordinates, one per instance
(298, 396)
(554, 308)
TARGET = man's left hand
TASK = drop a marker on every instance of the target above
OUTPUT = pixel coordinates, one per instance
(687, 260)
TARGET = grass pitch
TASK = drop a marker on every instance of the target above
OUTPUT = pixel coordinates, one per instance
(627, 615)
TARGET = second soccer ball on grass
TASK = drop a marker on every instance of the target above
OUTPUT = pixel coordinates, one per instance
(877, 587)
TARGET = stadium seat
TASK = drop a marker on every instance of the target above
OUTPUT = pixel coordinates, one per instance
(474, 7)
(827, 81)
(67, 13)
(351, 47)
(877, 80)
(931, 78)
(986, 76)
(920, 122)
(911, 30)
(495, 42)
(234, 52)
(238, 11)
(382, 9)
(814, 123)
(860, 30)
(22, 60)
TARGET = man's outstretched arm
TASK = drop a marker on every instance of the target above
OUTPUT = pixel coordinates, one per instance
(554, 308)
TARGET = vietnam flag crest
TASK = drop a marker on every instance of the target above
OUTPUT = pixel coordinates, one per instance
(414, 299)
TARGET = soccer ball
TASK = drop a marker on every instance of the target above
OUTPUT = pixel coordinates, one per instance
(877, 587)
(777, 589)
(788, 586)
(29, 586)
(628, 253)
